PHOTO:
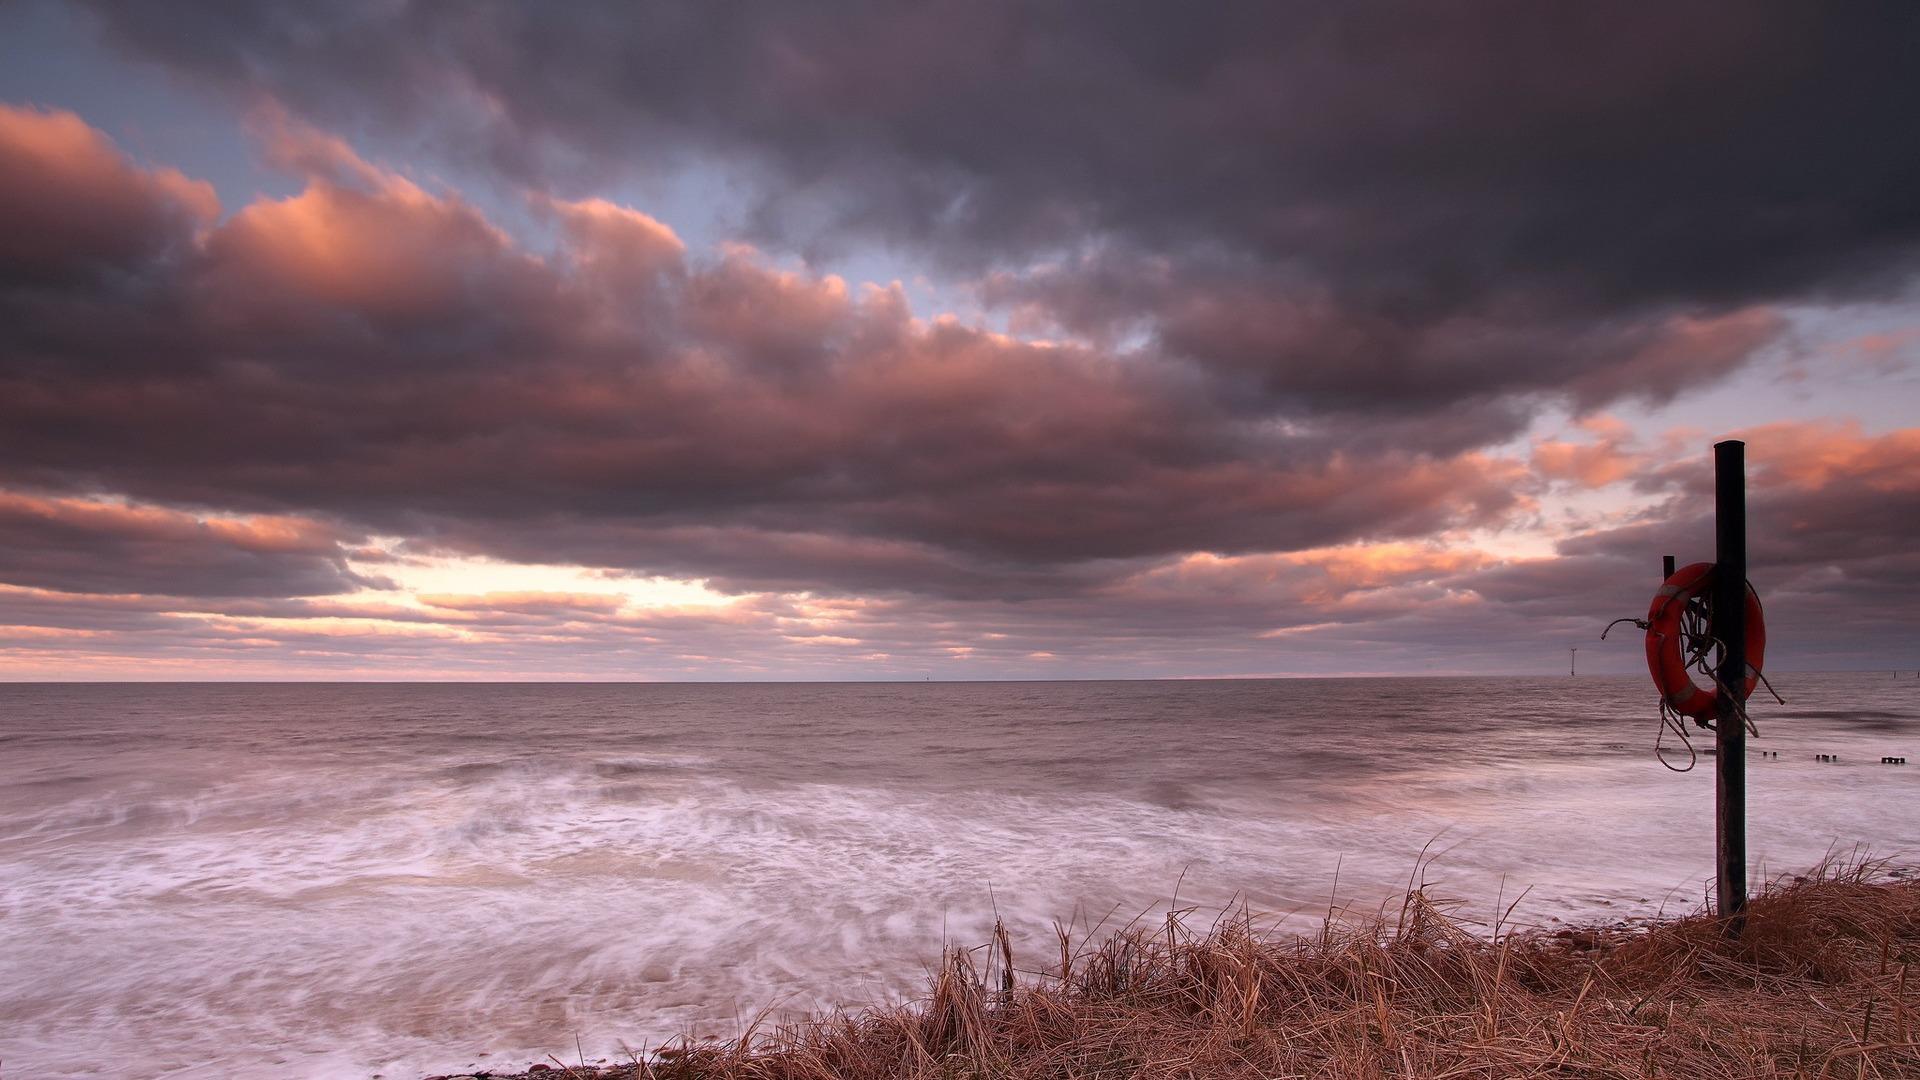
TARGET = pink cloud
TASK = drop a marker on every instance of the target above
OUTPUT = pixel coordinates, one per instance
(369, 357)
(1831, 454)
(374, 351)
(71, 201)
(1607, 460)
(615, 243)
(384, 249)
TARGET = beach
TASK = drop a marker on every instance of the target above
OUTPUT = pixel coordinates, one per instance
(1402, 991)
(333, 880)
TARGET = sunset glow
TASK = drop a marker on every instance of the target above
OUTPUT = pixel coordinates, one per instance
(380, 383)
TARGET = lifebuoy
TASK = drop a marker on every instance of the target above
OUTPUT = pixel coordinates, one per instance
(1666, 651)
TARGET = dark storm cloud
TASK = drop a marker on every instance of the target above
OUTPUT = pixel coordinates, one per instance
(1276, 340)
(1347, 206)
(376, 353)
(1837, 597)
(76, 545)
(1201, 613)
(1302, 265)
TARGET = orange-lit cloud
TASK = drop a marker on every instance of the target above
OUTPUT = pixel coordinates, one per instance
(101, 546)
(338, 432)
(72, 203)
(549, 603)
(358, 239)
(1818, 455)
(1608, 459)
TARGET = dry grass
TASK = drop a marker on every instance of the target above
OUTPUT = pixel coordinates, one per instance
(1815, 985)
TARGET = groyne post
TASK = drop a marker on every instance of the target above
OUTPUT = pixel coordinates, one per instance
(1729, 628)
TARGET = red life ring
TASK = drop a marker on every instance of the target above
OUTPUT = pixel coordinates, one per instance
(1666, 651)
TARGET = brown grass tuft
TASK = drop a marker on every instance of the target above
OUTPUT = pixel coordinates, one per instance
(1816, 985)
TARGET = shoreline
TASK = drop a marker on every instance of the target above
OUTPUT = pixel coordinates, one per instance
(1818, 980)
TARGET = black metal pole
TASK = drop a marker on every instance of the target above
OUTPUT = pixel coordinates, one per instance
(1729, 628)
(1666, 567)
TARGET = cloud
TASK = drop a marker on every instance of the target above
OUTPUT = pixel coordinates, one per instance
(1349, 133)
(74, 206)
(1831, 514)
(95, 546)
(1832, 510)
(1612, 457)
(1283, 342)
(1286, 288)
(370, 352)
(525, 603)
(1355, 208)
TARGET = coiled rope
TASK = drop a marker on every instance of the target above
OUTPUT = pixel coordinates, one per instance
(1698, 645)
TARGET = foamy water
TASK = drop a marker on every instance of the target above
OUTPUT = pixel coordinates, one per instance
(313, 880)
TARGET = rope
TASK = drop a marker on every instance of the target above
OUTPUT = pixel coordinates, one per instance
(1641, 623)
(1725, 694)
(1756, 671)
(1698, 645)
(1670, 721)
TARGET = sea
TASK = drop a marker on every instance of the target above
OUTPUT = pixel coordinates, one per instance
(356, 880)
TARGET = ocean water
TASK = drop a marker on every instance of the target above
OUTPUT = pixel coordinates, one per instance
(357, 880)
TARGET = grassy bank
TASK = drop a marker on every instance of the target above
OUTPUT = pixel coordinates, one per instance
(1817, 984)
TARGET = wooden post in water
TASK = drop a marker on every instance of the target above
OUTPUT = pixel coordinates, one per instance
(1729, 628)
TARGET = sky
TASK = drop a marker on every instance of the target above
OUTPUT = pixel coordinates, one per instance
(397, 340)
